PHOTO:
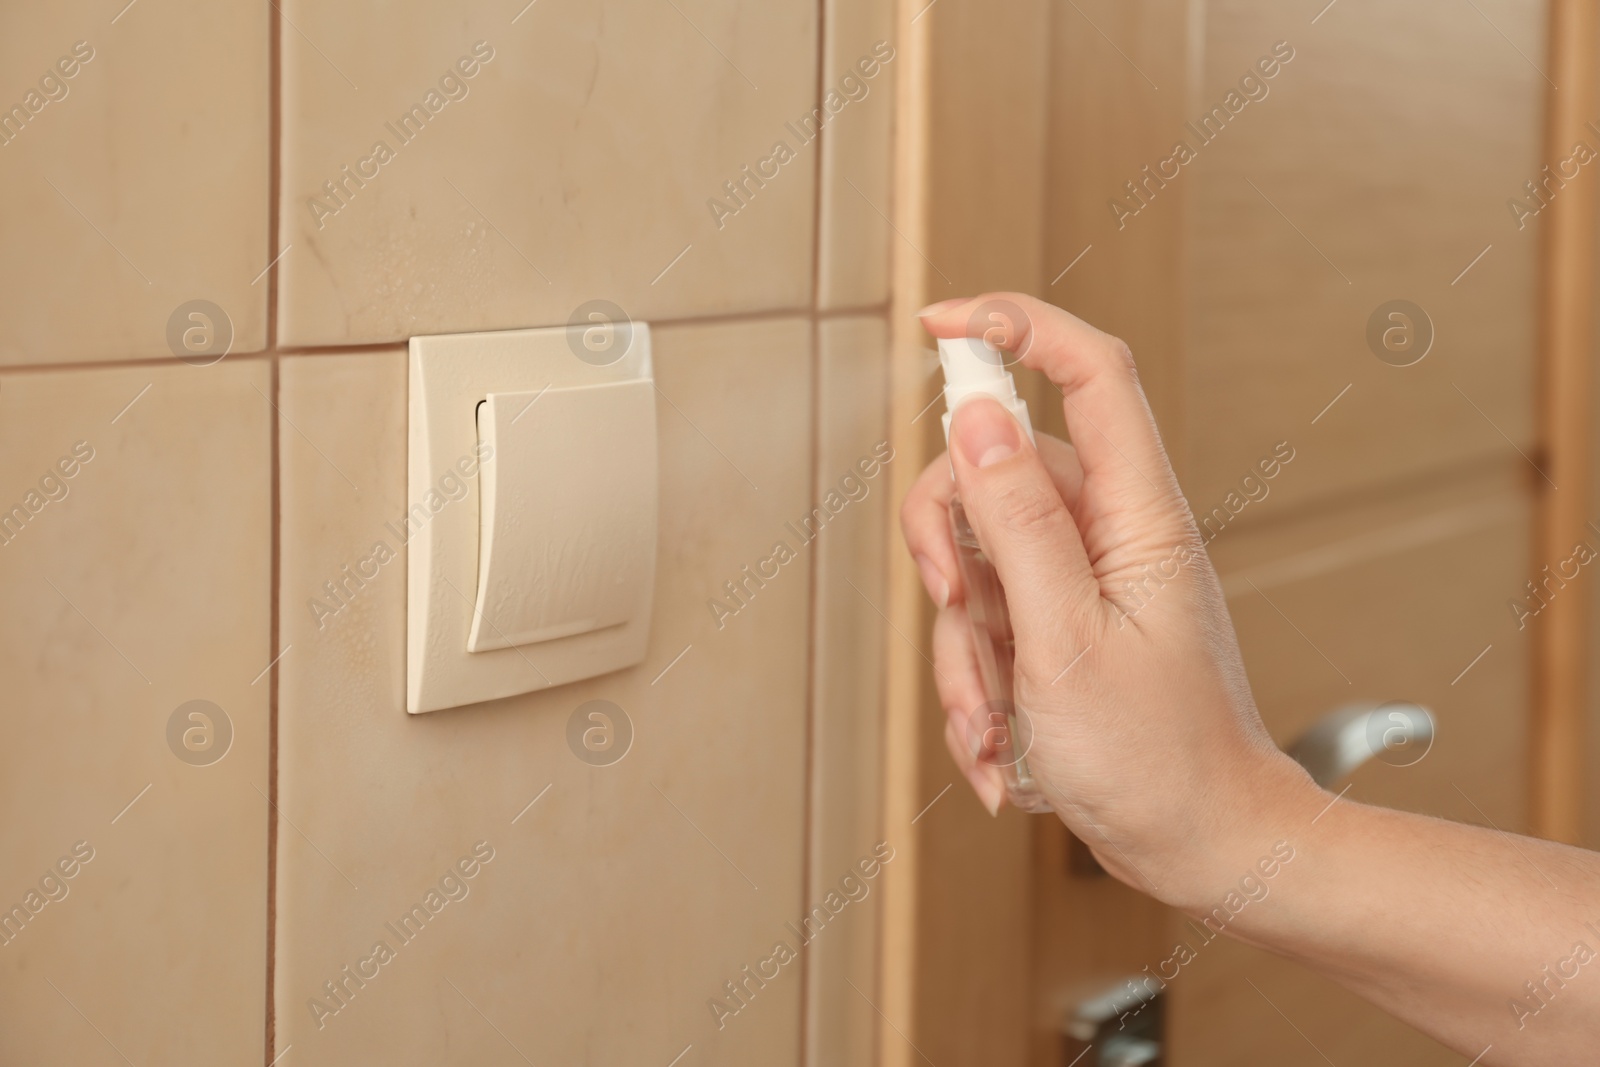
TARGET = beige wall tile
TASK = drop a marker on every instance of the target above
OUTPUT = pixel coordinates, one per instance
(617, 905)
(579, 164)
(144, 587)
(1388, 170)
(140, 189)
(858, 77)
(847, 687)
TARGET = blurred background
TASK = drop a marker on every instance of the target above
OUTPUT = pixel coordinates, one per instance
(1349, 242)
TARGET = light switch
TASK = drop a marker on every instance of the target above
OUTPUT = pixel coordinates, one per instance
(532, 518)
(568, 511)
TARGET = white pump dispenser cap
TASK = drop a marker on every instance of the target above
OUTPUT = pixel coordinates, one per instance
(972, 368)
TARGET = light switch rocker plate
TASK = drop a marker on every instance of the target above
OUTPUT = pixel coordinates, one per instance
(532, 510)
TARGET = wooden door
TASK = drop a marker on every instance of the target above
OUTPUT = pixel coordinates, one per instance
(1340, 270)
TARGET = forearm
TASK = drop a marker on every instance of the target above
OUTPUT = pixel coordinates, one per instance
(1477, 937)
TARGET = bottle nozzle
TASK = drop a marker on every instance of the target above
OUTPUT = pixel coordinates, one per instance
(972, 368)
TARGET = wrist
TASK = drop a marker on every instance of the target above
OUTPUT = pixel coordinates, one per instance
(1260, 831)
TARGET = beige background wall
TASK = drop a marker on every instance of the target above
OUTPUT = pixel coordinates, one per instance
(575, 163)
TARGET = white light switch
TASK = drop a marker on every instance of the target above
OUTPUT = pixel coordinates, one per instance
(542, 572)
(568, 511)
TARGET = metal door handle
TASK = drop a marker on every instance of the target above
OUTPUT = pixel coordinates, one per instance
(1123, 1021)
(1129, 1052)
(1397, 732)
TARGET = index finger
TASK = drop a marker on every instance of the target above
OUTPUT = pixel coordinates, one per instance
(925, 524)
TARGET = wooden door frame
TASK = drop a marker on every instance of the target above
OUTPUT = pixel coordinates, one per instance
(970, 109)
(1557, 726)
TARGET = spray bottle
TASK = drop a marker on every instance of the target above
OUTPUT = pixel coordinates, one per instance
(972, 368)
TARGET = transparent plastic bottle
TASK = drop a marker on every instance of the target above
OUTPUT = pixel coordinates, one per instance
(999, 722)
(1000, 729)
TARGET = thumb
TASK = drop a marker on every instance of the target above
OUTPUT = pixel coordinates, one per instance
(1021, 521)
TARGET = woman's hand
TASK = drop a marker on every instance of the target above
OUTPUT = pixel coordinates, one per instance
(1147, 743)
(1144, 735)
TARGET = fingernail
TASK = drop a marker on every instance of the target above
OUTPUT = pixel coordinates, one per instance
(985, 432)
(990, 796)
(932, 309)
(933, 579)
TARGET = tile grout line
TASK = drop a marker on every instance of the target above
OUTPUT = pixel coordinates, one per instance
(901, 35)
(275, 571)
(813, 627)
(270, 1055)
(819, 175)
(808, 820)
(881, 794)
(813, 637)
(335, 348)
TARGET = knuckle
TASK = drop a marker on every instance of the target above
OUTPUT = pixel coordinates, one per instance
(912, 516)
(1119, 356)
(907, 513)
(1025, 508)
(922, 505)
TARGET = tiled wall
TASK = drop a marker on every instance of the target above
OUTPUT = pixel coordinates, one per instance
(235, 857)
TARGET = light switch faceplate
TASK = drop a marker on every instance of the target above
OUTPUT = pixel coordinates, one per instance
(532, 528)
